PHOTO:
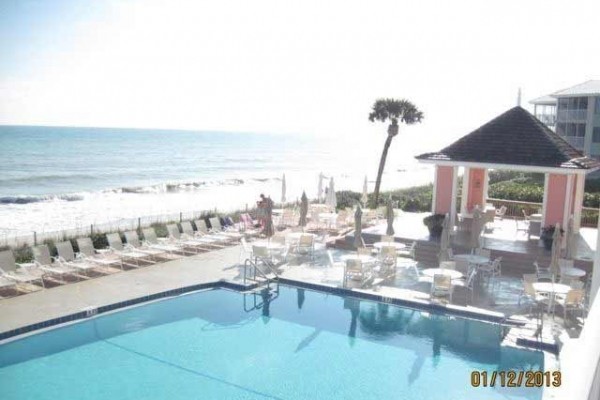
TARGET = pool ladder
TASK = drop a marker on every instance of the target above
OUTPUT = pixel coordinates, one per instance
(267, 289)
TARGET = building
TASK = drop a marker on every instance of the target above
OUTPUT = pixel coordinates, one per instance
(574, 114)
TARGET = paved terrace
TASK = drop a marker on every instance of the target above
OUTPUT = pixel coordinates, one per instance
(223, 265)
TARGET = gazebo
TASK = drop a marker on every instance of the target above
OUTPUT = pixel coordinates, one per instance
(515, 140)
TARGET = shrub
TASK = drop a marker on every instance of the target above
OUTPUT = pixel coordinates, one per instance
(434, 223)
(347, 198)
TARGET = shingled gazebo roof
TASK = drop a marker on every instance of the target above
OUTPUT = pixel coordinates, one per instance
(515, 138)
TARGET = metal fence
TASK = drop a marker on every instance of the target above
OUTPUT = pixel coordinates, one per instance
(589, 216)
(16, 237)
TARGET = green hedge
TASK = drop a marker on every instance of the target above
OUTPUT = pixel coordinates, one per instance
(517, 190)
(416, 199)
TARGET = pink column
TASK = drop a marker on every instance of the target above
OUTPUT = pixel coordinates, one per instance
(555, 202)
(476, 187)
(443, 189)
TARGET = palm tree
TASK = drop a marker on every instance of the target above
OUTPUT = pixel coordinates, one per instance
(393, 110)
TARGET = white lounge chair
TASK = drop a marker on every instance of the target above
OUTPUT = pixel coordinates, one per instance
(151, 241)
(441, 286)
(202, 237)
(88, 252)
(116, 246)
(57, 270)
(216, 227)
(134, 243)
(17, 272)
(190, 244)
(67, 256)
(7, 284)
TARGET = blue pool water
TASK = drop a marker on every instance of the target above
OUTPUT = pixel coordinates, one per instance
(301, 345)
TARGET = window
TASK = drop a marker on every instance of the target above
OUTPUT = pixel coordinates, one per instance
(561, 128)
(597, 105)
(580, 130)
(563, 103)
(596, 135)
(582, 103)
(571, 130)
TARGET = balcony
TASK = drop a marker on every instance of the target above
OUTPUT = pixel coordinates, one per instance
(547, 119)
(571, 115)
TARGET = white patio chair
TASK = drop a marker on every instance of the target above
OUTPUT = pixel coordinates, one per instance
(356, 271)
(67, 256)
(573, 300)
(17, 272)
(88, 252)
(134, 244)
(55, 270)
(151, 241)
(410, 252)
(441, 286)
(542, 273)
(115, 246)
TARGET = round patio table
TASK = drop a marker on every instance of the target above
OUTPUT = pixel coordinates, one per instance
(552, 289)
(363, 257)
(296, 235)
(472, 258)
(572, 272)
(398, 246)
(450, 272)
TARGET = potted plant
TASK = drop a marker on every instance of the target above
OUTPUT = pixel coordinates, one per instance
(435, 224)
(547, 236)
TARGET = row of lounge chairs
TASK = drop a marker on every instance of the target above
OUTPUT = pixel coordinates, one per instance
(135, 252)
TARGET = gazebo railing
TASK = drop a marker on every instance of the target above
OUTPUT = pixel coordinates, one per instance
(589, 216)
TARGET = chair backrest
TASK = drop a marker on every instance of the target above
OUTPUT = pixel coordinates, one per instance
(7, 261)
(471, 278)
(497, 264)
(501, 211)
(132, 238)
(441, 281)
(114, 241)
(174, 231)
(41, 254)
(448, 265)
(150, 235)
(574, 296)
(354, 265)
(306, 240)
(215, 223)
(260, 251)
(86, 247)
(186, 227)
(540, 270)
(450, 254)
(531, 278)
(201, 225)
(65, 250)
(387, 238)
(388, 251)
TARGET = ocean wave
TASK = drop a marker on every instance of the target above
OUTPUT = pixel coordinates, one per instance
(46, 178)
(177, 186)
(37, 199)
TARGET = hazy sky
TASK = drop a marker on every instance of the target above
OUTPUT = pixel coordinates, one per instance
(282, 66)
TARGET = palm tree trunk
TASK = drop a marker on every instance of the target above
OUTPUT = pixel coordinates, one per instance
(386, 147)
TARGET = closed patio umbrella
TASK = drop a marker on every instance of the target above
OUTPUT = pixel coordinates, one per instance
(358, 242)
(320, 189)
(571, 241)
(283, 189)
(365, 195)
(331, 194)
(476, 228)
(269, 229)
(389, 214)
(556, 239)
(445, 238)
(303, 210)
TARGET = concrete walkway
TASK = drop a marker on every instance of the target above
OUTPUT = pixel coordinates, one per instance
(59, 301)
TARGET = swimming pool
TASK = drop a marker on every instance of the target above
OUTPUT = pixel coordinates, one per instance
(299, 345)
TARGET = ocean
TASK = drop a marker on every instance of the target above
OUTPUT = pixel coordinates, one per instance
(55, 178)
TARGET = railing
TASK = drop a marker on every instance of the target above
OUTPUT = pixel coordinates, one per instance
(16, 237)
(589, 216)
(548, 119)
(571, 115)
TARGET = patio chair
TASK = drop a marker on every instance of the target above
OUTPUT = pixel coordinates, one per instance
(573, 300)
(88, 252)
(410, 252)
(468, 284)
(450, 254)
(199, 236)
(218, 239)
(262, 260)
(500, 212)
(133, 243)
(151, 241)
(441, 286)
(245, 250)
(387, 258)
(216, 227)
(306, 245)
(17, 272)
(189, 244)
(463, 266)
(7, 284)
(530, 293)
(542, 273)
(116, 247)
(491, 270)
(66, 255)
(356, 271)
(56, 270)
